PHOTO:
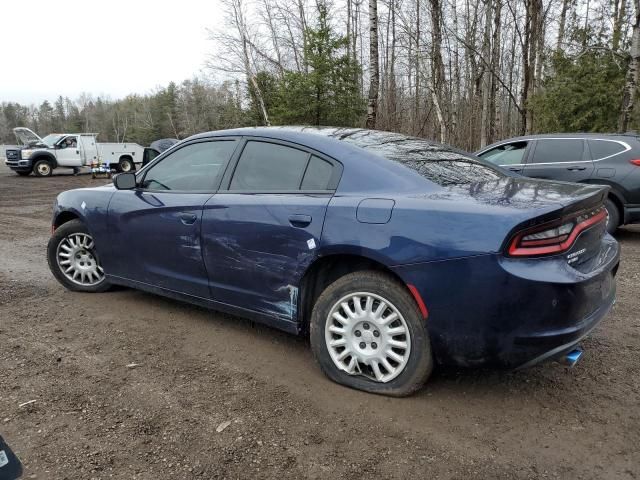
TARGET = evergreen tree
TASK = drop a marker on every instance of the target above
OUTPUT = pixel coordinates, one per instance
(583, 91)
(325, 94)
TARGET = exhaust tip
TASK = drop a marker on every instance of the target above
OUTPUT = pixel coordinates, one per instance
(571, 358)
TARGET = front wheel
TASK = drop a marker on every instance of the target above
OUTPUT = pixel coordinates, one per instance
(43, 168)
(368, 333)
(73, 259)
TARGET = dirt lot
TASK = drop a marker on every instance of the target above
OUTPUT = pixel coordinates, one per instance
(96, 418)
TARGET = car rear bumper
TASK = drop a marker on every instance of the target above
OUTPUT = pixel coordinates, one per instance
(491, 310)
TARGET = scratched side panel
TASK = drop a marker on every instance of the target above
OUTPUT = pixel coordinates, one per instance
(255, 256)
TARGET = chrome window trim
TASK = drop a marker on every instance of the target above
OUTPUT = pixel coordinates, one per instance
(626, 146)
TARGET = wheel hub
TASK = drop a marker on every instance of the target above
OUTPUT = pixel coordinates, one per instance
(366, 335)
(77, 260)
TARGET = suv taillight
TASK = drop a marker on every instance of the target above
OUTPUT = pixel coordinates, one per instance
(635, 162)
(555, 237)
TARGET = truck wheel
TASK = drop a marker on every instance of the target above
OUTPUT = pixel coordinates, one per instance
(42, 168)
(23, 174)
(126, 165)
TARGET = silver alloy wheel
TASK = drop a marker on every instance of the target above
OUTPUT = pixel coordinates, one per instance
(77, 260)
(44, 169)
(367, 335)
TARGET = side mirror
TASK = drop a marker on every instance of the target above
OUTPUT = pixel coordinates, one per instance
(125, 181)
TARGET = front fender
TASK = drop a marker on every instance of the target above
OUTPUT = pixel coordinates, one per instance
(90, 206)
(44, 155)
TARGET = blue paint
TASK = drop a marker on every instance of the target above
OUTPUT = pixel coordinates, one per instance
(247, 253)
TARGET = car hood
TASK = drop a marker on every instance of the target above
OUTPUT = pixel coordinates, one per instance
(27, 136)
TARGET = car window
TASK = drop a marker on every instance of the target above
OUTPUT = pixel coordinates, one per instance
(558, 150)
(269, 167)
(318, 174)
(195, 167)
(508, 154)
(604, 148)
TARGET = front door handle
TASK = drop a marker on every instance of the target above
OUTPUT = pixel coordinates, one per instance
(515, 169)
(299, 220)
(574, 168)
(188, 218)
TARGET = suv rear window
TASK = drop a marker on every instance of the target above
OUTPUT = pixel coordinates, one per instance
(604, 148)
(550, 150)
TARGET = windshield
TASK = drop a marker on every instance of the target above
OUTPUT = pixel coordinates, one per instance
(51, 139)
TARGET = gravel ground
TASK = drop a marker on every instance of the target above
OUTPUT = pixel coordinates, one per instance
(130, 385)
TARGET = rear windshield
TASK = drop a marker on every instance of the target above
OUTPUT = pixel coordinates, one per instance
(439, 163)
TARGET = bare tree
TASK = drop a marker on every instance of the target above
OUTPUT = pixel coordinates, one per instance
(633, 74)
(437, 66)
(374, 68)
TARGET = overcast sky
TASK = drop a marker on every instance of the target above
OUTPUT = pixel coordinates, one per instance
(109, 47)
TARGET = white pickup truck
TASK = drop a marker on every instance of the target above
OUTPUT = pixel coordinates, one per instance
(68, 150)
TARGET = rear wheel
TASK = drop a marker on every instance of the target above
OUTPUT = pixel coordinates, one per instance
(73, 259)
(368, 333)
(613, 216)
(126, 165)
(43, 168)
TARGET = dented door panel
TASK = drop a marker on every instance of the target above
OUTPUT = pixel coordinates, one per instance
(257, 246)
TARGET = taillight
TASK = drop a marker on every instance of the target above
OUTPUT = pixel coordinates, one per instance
(635, 162)
(555, 237)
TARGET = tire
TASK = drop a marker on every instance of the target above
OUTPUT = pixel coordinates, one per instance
(613, 216)
(73, 238)
(417, 360)
(42, 168)
(24, 174)
(126, 165)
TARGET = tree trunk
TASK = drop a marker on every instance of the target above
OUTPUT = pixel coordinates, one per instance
(562, 24)
(494, 109)
(486, 75)
(416, 98)
(620, 11)
(374, 85)
(633, 74)
(437, 66)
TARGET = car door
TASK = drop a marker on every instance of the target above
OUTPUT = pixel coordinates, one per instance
(510, 155)
(156, 228)
(68, 152)
(563, 159)
(261, 231)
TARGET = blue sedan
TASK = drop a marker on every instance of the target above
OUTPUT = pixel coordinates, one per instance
(392, 253)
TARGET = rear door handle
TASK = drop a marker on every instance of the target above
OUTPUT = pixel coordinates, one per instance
(299, 220)
(576, 168)
(188, 218)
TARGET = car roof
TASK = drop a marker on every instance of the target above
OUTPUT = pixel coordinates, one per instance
(363, 153)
